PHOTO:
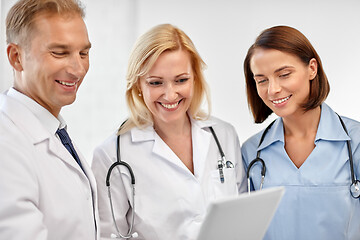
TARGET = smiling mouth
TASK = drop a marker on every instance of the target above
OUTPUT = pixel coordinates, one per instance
(68, 84)
(170, 106)
(280, 100)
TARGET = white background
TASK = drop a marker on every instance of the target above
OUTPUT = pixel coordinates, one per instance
(222, 31)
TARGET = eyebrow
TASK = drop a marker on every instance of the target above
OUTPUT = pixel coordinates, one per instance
(282, 68)
(181, 74)
(153, 77)
(64, 46)
(276, 71)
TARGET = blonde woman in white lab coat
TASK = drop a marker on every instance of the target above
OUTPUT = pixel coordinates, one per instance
(168, 144)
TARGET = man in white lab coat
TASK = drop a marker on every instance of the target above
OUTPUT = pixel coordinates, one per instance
(47, 190)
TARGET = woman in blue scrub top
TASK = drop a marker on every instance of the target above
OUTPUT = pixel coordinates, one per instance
(305, 149)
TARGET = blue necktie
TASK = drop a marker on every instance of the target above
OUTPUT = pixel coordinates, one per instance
(66, 141)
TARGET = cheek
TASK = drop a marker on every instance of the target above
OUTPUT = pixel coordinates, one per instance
(86, 65)
(189, 90)
(150, 95)
(262, 92)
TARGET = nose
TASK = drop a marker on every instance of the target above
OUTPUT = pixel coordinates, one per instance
(78, 66)
(170, 92)
(273, 87)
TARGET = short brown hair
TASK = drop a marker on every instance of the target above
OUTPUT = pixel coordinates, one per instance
(289, 40)
(19, 21)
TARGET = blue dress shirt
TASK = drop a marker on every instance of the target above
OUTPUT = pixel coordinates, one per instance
(317, 203)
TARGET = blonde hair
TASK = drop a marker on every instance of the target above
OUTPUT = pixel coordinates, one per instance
(146, 51)
(20, 18)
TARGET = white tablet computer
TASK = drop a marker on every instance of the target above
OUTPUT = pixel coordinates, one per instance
(244, 217)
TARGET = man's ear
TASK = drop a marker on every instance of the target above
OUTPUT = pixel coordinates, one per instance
(14, 56)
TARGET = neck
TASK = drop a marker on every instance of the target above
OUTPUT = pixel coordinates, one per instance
(302, 124)
(54, 111)
(175, 129)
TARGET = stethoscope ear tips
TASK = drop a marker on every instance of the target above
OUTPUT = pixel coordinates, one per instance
(355, 189)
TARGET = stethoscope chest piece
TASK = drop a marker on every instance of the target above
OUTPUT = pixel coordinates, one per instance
(355, 189)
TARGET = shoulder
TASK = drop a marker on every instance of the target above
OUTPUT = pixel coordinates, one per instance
(17, 151)
(352, 125)
(252, 142)
(224, 130)
(10, 133)
(107, 146)
(250, 146)
(221, 125)
(353, 128)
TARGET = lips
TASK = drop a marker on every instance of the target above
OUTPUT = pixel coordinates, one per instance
(68, 84)
(280, 100)
(170, 106)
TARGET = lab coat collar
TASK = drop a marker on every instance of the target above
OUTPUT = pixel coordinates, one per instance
(203, 123)
(143, 134)
(33, 127)
(49, 122)
(148, 133)
(25, 119)
(329, 129)
(200, 139)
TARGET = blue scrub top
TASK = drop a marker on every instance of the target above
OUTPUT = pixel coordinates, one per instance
(317, 203)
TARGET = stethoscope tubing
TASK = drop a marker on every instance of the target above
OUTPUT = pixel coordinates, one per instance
(355, 184)
(119, 162)
(221, 163)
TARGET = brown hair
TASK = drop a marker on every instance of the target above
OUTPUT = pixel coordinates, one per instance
(147, 49)
(292, 41)
(20, 18)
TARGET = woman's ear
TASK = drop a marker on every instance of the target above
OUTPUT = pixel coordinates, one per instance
(139, 87)
(313, 67)
(14, 56)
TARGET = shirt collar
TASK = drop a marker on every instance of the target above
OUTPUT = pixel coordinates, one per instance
(329, 129)
(48, 120)
(274, 134)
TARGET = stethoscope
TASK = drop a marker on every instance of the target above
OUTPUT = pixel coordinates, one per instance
(355, 184)
(221, 164)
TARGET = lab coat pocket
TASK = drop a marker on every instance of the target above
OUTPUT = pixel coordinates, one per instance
(228, 187)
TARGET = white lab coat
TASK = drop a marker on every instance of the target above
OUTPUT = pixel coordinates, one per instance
(170, 202)
(44, 194)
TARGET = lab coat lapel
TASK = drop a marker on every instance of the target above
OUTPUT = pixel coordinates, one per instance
(34, 129)
(58, 149)
(160, 148)
(92, 180)
(163, 150)
(201, 138)
(24, 119)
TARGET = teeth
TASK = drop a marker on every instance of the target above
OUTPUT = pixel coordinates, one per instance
(281, 100)
(170, 106)
(66, 83)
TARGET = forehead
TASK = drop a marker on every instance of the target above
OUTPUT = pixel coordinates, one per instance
(64, 29)
(269, 60)
(172, 60)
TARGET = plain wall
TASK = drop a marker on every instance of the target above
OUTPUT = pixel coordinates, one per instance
(222, 31)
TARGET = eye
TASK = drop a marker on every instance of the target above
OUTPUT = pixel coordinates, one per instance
(285, 75)
(182, 80)
(155, 83)
(58, 53)
(261, 81)
(84, 54)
